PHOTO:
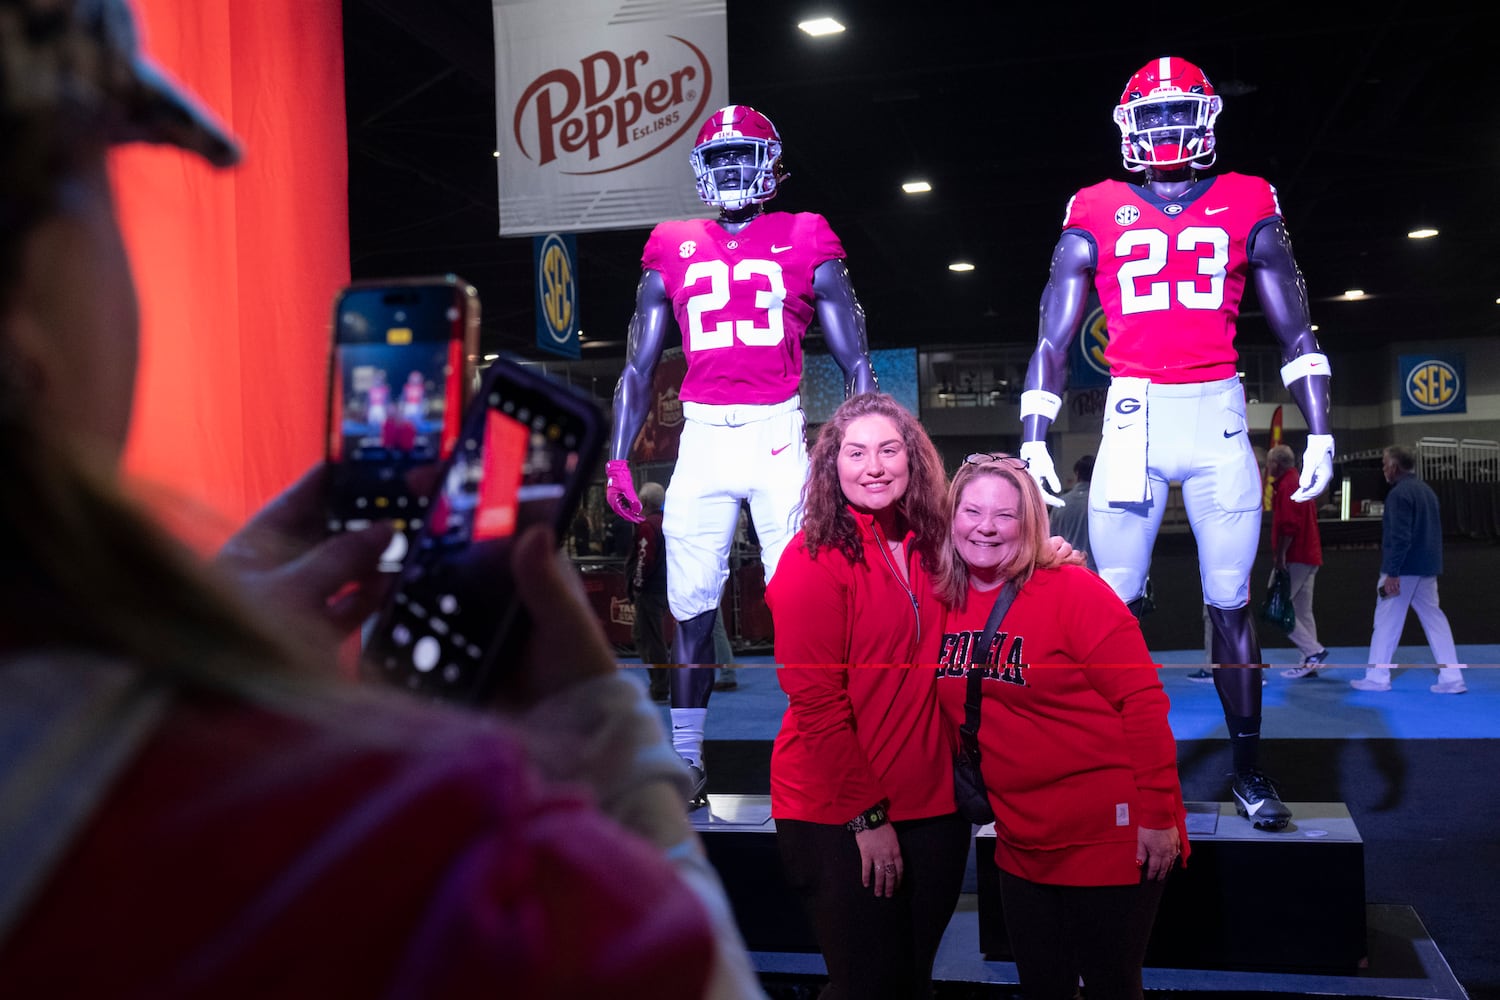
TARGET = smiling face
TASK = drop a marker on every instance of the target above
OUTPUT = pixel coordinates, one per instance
(987, 525)
(873, 469)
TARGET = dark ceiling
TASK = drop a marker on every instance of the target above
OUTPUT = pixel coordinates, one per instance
(1369, 127)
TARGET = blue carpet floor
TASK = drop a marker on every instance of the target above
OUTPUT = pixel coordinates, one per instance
(1322, 707)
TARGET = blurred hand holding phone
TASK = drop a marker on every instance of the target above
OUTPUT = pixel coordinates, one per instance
(527, 447)
(401, 368)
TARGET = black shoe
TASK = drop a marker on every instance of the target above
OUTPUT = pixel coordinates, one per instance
(1256, 799)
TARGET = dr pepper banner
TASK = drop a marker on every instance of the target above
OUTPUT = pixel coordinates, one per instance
(597, 106)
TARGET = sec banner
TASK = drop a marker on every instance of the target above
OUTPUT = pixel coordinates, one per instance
(556, 293)
(1432, 383)
(597, 105)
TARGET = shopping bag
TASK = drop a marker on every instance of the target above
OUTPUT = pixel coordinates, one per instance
(1276, 609)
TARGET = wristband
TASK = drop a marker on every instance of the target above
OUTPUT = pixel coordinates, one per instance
(1303, 366)
(1040, 403)
(869, 819)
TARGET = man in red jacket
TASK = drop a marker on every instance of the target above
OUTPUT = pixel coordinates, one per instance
(1297, 550)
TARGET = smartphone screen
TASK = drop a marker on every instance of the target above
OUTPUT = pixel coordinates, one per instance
(401, 367)
(527, 449)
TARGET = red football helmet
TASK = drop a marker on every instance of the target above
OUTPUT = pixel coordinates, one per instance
(737, 158)
(1166, 116)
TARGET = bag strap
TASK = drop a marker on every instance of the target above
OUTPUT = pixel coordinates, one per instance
(969, 731)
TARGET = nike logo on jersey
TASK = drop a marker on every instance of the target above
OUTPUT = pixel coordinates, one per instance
(1215, 211)
(1230, 434)
(777, 249)
(778, 451)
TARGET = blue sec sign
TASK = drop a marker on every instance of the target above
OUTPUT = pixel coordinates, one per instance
(556, 293)
(1432, 383)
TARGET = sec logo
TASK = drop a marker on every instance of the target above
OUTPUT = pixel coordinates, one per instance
(1432, 385)
(557, 289)
(1093, 342)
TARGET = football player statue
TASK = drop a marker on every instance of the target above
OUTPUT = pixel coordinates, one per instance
(744, 288)
(1170, 258)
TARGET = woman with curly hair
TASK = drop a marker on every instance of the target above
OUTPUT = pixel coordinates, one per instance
(861, 786)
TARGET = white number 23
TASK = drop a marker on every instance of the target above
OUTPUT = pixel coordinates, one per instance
(1209, 244)
(761, 329)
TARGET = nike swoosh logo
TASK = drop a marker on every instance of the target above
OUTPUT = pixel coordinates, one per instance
(1215, 211)
(777, 249)
(778, 451)
(1230, 434)
(1252, 810)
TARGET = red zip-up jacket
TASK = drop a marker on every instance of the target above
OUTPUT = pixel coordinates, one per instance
(854, 735)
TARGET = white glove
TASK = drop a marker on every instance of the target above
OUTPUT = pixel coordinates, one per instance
(1317, 467)
(1039, 464)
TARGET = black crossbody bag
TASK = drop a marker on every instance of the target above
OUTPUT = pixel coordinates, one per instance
(968, 782)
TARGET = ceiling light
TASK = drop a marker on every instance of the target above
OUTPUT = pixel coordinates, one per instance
(916, 187)
(821, 26)
(1354, 293)
(496, 154)
(960, 265)
(1315, 328)
(492, 357)
(1422, 234)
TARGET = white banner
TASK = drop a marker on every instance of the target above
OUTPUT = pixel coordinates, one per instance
(597, 104)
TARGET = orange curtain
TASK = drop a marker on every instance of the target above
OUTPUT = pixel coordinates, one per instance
(237, 269)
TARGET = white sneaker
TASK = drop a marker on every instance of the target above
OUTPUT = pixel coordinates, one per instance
(1449, 687)
(1364, 684)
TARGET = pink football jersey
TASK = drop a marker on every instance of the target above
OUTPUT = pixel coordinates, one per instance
(1171, 273)
(743, 301)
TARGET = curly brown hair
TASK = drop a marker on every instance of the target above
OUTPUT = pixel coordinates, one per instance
(826, 520)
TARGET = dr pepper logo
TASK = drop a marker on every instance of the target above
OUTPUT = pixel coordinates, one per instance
(613, 110)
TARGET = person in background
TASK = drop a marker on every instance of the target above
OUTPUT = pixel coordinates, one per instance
(861, 770)
(1075, 748)
(1297, 550)
(187, 784)
(1071, 520)
(646, 583)
(1411, 560)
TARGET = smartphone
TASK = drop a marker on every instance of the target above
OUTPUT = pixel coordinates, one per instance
(452, 626)
(401, 368)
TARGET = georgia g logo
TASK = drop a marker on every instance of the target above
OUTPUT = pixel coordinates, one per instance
(1127, 405)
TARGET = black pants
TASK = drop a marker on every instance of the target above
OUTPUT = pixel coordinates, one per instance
(877, 948)
(1061, 932)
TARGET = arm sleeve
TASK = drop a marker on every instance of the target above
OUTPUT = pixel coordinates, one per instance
(809, 608)
(1396, 536)
(605, 734)
(1136, 693)
(818, 699)
(826, 245)
(1102, 628)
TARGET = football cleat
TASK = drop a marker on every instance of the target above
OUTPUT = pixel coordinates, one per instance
(1256, 799)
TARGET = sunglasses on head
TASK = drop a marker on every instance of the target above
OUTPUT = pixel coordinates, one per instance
(985, 457)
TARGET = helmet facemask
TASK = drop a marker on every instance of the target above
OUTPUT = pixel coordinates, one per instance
(1168, 130)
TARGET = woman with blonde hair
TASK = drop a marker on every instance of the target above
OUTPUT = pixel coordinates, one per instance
(1076, 753)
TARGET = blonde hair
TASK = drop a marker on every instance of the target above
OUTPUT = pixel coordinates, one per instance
(1032, 549)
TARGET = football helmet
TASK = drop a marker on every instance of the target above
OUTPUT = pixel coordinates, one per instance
(1166, 116)
(737, 158)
